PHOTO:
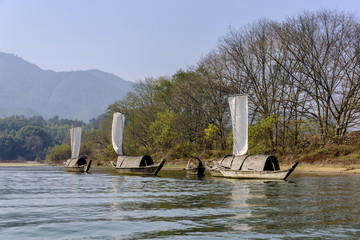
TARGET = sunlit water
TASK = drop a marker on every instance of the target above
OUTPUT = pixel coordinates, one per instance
(48, 203)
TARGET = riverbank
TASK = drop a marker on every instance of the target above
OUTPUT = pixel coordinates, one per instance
(327, 169)
(301, 168)
(21, 164)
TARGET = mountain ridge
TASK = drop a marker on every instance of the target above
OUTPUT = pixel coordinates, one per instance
(26, 89)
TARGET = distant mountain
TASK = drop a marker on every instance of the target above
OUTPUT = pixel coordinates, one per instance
(78, 95)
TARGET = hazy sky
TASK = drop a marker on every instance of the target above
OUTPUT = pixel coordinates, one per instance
(134, 39)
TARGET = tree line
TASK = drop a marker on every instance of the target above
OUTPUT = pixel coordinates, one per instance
(301, 76)
(32, 138)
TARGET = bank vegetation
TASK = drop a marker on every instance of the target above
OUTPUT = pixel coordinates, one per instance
(302, 79)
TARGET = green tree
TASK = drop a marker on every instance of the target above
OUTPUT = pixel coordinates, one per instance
(58, 154)
(163, 131)
(34, 141)
(9, 147)
(259, 141)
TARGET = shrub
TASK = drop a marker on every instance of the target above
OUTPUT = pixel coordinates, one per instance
(58, 154)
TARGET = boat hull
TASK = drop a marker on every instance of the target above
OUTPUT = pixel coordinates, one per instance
(195, 171)
(79, 168)
(146, 170)
(273, 175)
(195, 167)
(213, 170)
(76, 169)
(215, 173)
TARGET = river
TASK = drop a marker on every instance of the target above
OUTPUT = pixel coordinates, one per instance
(48, 203)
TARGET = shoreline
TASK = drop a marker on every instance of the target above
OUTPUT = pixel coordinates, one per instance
(301, 168)
(21, 164)
(327, 169)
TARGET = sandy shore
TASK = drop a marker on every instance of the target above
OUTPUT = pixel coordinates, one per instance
(327, 169)
(21, 164)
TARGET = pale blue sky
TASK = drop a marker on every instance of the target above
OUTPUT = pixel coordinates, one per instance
(134, 39)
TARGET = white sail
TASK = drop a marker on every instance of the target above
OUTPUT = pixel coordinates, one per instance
(117, 132)
(75, 137)
(239, 117)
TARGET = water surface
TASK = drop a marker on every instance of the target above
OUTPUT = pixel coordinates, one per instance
(48, 203)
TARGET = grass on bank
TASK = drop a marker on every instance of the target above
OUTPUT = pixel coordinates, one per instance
(337, 151)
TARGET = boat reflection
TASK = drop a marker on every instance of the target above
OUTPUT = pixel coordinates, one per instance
(247, 199)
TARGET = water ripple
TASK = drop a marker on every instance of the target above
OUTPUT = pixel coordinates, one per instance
(48, 203)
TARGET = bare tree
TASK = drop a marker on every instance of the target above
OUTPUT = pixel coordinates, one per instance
(325, 46)
(201, 95)
(250, 53)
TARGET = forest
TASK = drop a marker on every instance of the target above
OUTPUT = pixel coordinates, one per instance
(301, 77)
(31, 138)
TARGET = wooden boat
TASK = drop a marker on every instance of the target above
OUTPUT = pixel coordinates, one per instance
(256, 167)
(271, 175)
(195, 167)
(139, 165)
(76, 164)
(214, 170)
(239, 164)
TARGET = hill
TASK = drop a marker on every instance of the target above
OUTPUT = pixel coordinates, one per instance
(29, 90)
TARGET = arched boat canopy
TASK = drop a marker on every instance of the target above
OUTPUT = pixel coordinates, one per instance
(238, 162)
(226, 161)
(250, 162)
(133, 161)
(75, 162)
(194, 162)
(260, 163)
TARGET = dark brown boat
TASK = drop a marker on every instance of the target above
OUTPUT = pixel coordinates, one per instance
(255, 167)
(241, 165)
(76, 164)
(195, 167)
(138, 165)
(214, 169)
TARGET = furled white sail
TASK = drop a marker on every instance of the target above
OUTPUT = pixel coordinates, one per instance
(117, 132)
(239, 117)
(75, 137)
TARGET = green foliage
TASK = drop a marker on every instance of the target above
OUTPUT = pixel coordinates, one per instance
(163, 92)
(9, 147)
(58, 154)
(31, 138)
(163, 130)
(105, 155)
(211, 136)
(10, 125)
(188, 113)
(211, 132)
(182, 150)
(259, 138)
(351, 156)
(28, 131)
(34, 142)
